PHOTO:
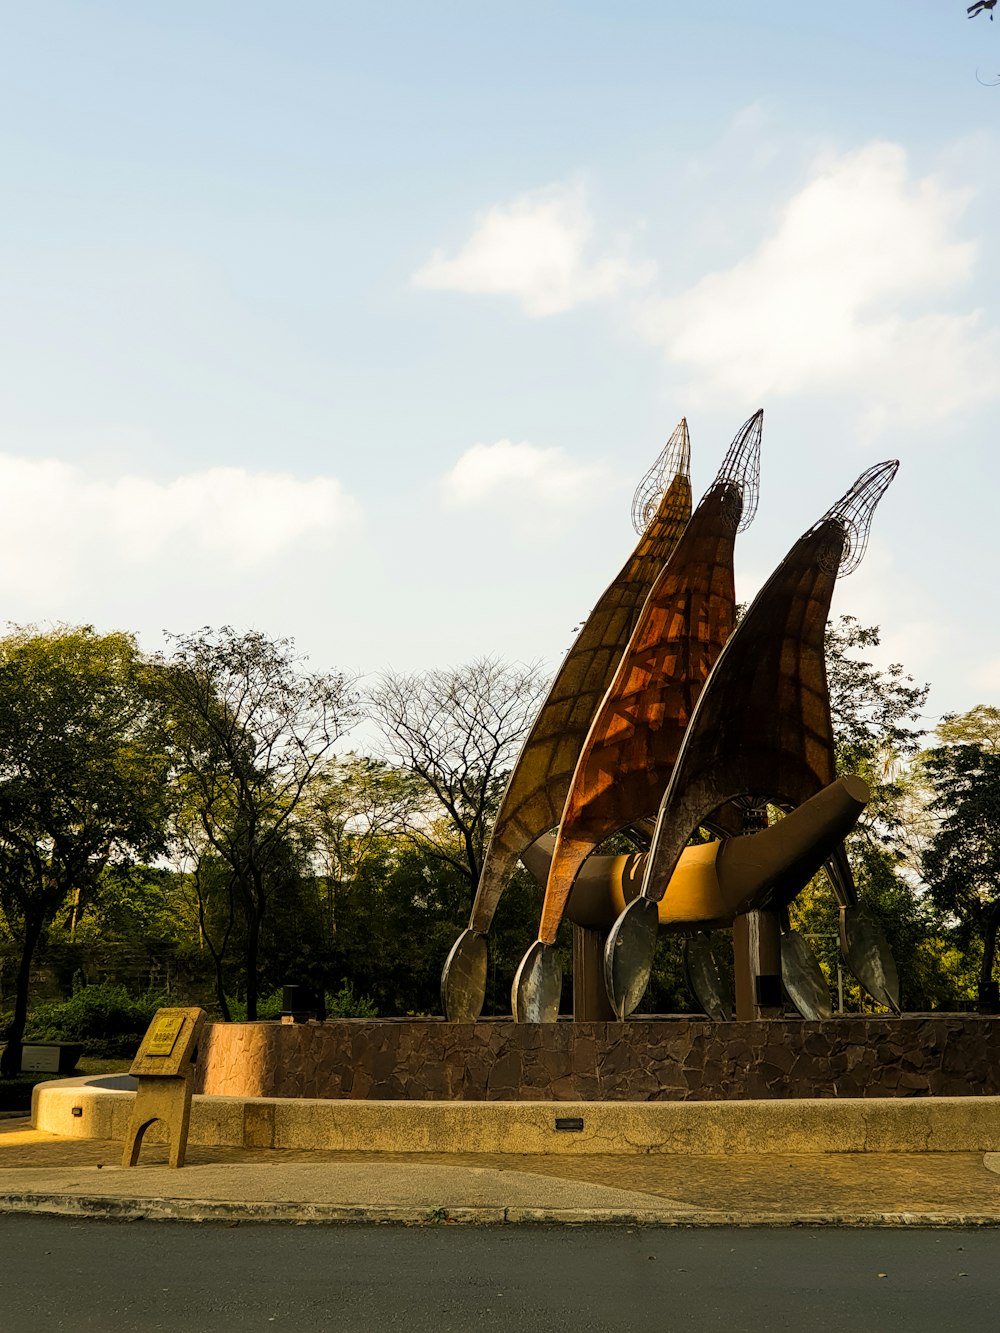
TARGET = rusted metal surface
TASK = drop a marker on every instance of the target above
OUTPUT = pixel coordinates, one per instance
(762, 730)
(590, 996)
(757, 960)
(538, 785)
(636, 733)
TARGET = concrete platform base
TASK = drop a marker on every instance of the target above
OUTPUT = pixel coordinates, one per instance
(99, 1108)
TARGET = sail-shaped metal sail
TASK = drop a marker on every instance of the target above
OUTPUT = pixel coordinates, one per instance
(538, 784)
(636, 733)
(761, 731)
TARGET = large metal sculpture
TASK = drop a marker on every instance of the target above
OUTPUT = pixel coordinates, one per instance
(538, 785)
(762, 732)
(663, 709)
(636, 733)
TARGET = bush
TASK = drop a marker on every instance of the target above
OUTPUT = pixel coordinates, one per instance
(268, 1006)
(340, 1004)
(105, 1018)
(345, 1004)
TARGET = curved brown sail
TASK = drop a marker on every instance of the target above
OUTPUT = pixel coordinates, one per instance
(539, 782)
(537, 787)
(636, 733)
(762, 730)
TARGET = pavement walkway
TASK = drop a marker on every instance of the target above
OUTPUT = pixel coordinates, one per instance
(46, 1173)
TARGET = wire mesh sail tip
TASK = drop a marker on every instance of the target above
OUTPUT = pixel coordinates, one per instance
(673, 461)
(740, 470)
(852, 515)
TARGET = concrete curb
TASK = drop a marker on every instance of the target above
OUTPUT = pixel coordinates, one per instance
(235, 1212)
(100, 1107)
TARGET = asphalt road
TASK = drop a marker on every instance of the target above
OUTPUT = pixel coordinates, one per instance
(64, 1274)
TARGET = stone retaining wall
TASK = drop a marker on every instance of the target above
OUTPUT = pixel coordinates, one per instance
(640, 1060)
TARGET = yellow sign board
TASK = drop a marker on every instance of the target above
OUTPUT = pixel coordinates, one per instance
(163, 1034)
(169, 1044)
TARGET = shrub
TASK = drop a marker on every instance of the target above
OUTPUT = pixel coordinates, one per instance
(105, 1018)
(345, 1004)
(340, 1004)
(268, 1006)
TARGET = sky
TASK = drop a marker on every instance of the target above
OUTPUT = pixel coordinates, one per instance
(360, 324)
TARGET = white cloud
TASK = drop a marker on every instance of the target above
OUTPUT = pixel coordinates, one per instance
(522, 470)
(987, 675)
(845, 295)
(538, 250)
(885, 591)
(58, 527)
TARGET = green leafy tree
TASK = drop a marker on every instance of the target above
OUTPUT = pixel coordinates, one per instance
(876, 715)
(877, 719)
(979, 726)
(82, 779)
(961, 860)
(353, 808)
(248, 728)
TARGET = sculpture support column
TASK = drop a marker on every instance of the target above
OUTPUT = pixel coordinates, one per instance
(757, 966)
(590, 996)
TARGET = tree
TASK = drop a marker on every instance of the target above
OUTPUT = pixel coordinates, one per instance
(876, 716)
(82, 779)
(961, 862)
(876, 713)
(979, 726)
(458, 731)
(247, 729)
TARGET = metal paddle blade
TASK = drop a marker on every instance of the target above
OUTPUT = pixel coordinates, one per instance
(628, 954)
(537, 986)
(868, 956)
(709, 984)
(463, 978)
(803, 979)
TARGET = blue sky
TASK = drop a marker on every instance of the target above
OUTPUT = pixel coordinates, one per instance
(360, 323)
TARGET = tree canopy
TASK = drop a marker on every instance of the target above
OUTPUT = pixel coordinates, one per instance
(961, 860)
(458, 731)
(247, 728)
(83, 777)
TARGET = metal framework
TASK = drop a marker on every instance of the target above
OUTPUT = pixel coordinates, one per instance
(540, 780)
(854, 511)
(665, 709)
(674, 460)
(761, 731)
(741, 469)
(636, 733)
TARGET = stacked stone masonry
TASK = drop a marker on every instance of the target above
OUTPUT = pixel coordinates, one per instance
(640, 1060)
